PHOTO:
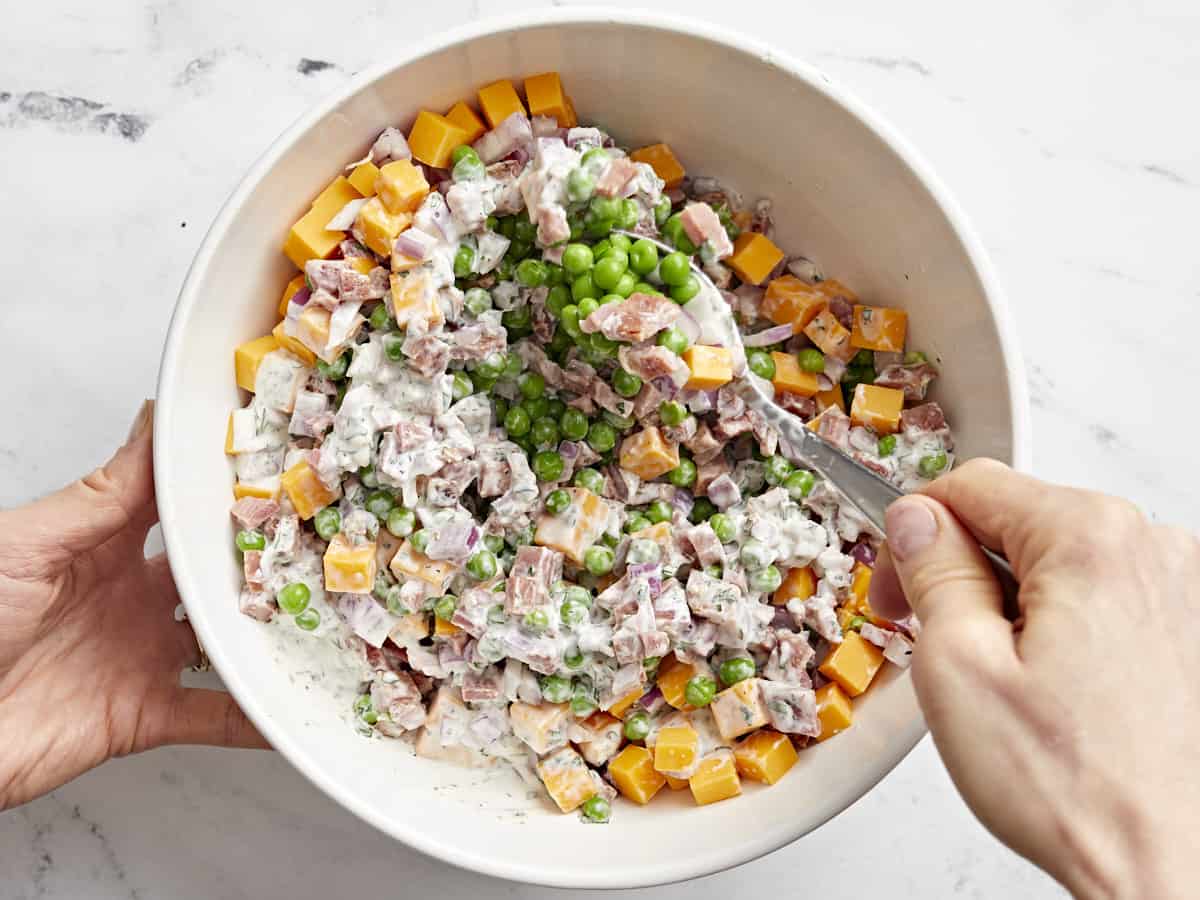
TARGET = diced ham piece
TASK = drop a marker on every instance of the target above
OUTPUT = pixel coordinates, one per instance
(709, 471)
(724, 492)
(256, 604)
(704, 226)
(578, 377)
(252, 569)
(480, 687)
(898, 650)
(649, 361)
(607, 398)
(790, 658)
(927, 418)
(536, 359)
(704, 445)
(472, 610)
(875, 635)
(913, 380)
(616, 176)
(834, 426)
(638, 318)
(706, 544)
(647, 401)
(253, 512)
(552, 225)
(727, 429)
(804, 407)
(792, 709)
(474, 342)
(428, 355)
(413, 432)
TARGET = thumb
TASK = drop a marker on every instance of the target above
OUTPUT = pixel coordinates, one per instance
(202, 716)
(944, 574)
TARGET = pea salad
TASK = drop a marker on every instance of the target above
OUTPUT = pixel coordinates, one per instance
(493, 452)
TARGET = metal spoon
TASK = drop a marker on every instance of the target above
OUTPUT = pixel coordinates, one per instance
(865, 490)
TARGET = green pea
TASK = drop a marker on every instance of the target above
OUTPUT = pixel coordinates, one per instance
(577, 594)
(799, 483)
(401, 521)
(308, 620)
(886, 445)
(766, 580)
(662, 210)
(558, 298)
(327, 522)
(523, 229)
(761, 364)
(621, 242)
(590, 479)
(445, 607)
(536, 621)
(573, 613)
(548, 465)
(250, 539)
(625, 383)
(461, 152)
(555, 688)
(777, 469)
(468, 170)
(537, 407)
(555, 275)
(420, 540)
(582, 706)
(532, 385)
(573, 660)
(494, 543)
(637, 726)
(293, 598)
(737, 669)
(675, 269)
(461, 387)
(650, 665)
(507, 226)
(532, 272)
(671, 228)
(594, 159)
(659, 511)
(683, 475)
(723, 527)
(393, 347)
(700, 690)
(673, 339)
(598, 560)
(587, 306)
(672, 412)
(336, 370)
(605, 208)
(684, 244)
(500, 406)
(856, 623)
(464, 258)
(574, 424)
(367, 476)
(477, 301)
(755, 554)
(517, 422)
(629, 215)
(569, 319)
(626, 285)
(492, 365)
(636, 523)
(580, 185)
(577, 259)
(490, 223)
(379, 503)
(545, 432)
(600, 248)
(602, 437)
(702, 510)
(863, 358)
(811, 360)
(915, 357)
(643, 257)
(682, 293)
(584, 287)
(482, 565)
(380, 320)
(602, 345)
(930, 466)
(597, 809)
(516, 319)
(716, 570)
(643, 287)
(609, 270)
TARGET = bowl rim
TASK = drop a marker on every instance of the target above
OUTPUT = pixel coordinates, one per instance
(666, 871)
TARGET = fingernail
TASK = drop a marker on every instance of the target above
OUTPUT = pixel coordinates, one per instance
(911, 528)
(141, 422)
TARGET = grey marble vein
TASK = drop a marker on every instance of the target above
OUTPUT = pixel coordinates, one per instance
(71, 114)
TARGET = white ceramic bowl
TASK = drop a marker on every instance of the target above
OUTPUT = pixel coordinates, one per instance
(848, 192)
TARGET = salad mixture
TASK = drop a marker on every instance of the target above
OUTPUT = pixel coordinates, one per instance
(494, 451)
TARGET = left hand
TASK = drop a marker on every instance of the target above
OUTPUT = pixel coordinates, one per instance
(90, 652)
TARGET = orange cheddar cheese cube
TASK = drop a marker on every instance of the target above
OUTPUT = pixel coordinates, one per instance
(442, 628)
(293, 345)
(363, 178)
(410, 628)
(834, 711)
(790, 301)
(830, 337)
(433, 138)
(676, 784)
(401, 186)
(567, 778)
(852, 663)
(468, 120)
(648, 454)
(860, 585)
(877, 407)
(672, 680)
(765, 756)
(572, 119)
(409, 563)
(379, 228)
(306, 491)
(414, 299)
(879, 328)
(661, 534)
(753, 257)
(349, 569)
(313, 328)
(499, 100)
(622, 706)
(832, 288)
(798, 584)
(632, 771)
(711, 367)
(677, 751)
(289, 291)
(247, 356)
(606, 738)
(831, 397)
(309, 239)
(790, 377)
(716, 778)
(337, 194)
(361, 264)
(660, 158)
(739, 709)
(229, 451)
(575, 530)
(267, 489)
(545, 97)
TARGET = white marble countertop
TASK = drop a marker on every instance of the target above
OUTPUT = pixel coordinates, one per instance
(124, 125)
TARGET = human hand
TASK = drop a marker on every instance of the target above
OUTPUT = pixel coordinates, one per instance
(90, 652)
(1075, 738)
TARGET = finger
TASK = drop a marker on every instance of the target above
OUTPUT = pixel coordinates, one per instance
(199, 716)
(885, 593)
(89, 512)
(945, 576)
(162, 581)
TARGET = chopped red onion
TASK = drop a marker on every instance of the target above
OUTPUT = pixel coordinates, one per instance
(698, 401)
(863, 552)
(504, 139)
(414, 243)
(390, 145)
(683, 501)
(687, 323)
(453, 541)
(804, 269)
(768, 336)
(367, 619)
(301, 296)
(345, 216)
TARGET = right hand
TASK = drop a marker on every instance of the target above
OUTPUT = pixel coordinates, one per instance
(1075, 738)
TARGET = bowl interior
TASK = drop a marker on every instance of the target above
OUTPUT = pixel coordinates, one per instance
(842, 196)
